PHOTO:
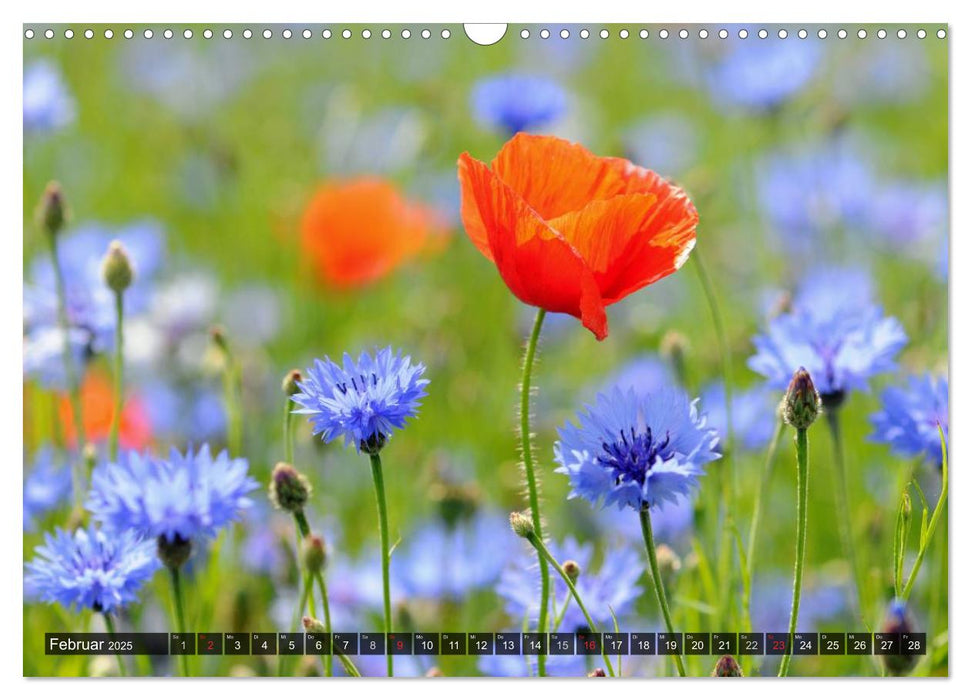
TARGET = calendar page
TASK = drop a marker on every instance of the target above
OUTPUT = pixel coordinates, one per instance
(526, 350)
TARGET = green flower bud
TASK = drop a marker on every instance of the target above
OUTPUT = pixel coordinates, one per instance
(219, 339)
(455, 502)
(289, 489)
(290, 382)
(727, 667)
(802, 403)
(572, 570)
(313, 553)
(51, 210)
(116, 268)
(173, 553)
(522, 524)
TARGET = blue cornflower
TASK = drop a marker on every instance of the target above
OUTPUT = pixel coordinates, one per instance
(516, 102)
(835, 331)
(609, 590)
(438, 560)
(910, 416)
(636, 451)
(753, 413)
(179, 498)
(46, 486)
(815, 189)
(908, 216)
(90, 569)
(363, 400)
(762, 74)
(193, 413)
(48, 105)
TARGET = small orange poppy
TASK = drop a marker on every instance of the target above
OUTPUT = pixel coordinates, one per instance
(358, 231)
(97, 404)
(572, 232)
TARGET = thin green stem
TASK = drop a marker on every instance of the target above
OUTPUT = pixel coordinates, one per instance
(328, 660)
(761, 491)
(526, 439)
(73, 383)
(844, 521)
(111, 630)
(119, 376)
(385, 550)
(802, 521)
(547, 556)
(662, 600)
(287, 432)
(726, 572)
(179, 613)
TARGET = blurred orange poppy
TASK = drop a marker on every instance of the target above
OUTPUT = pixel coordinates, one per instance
(97, 404)
(357, 231)
(572, 232)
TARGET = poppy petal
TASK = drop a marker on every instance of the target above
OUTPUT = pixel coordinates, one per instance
(632, 240)
(556, 176)
(536, 263)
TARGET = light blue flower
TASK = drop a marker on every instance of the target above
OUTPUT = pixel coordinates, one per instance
(516, 102)
(760, 74)
(613, 586)
(363, 401)
(185, 496)
(910, 416)
(440, 561)
(835, 331)
(47, 486)
(635, 451)
(907, 216)
(817, 188)
(753, 413)
(90, 569)
(48, 104)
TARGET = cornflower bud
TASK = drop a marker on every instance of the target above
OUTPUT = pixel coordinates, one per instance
(522, 524)
(289, 489)
(116, 268)
(802, 403)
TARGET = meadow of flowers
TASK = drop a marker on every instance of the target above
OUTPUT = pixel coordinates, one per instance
(562, 334)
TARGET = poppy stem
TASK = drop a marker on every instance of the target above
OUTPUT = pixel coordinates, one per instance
(844, 521)
(762, 490)
(725, 570)
(802, 521)
(547, 556)
(662, 600)
(526, 439)
(73, 382)
(119, 375)
(385, 550)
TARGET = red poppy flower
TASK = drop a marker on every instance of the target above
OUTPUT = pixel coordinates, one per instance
(97, 403)
(358, 231)
(572, 232)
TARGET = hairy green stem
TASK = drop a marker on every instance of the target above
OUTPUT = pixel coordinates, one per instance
(547, 556)
(530, 471)
(119, 376)
(179, 613)
(385, 550)
(662, 600)
(844, 521)
(802, 521)
(111, 630)
(761, 491)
